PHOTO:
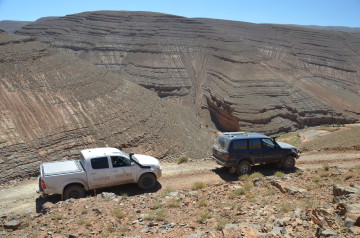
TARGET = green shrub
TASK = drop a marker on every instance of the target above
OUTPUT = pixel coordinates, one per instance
(202, 202)
(326, 167)
(198, 185)
(279, 174)
(237, 192)
(323, 173)
(248, 186)
(256, 175)
(204, 216)
(57, 216)
(155, 205)
(182, 159)
(271, 191)
(244, 177)
(85, 222)
(157, 215)
(118, 213)
(174, 203)
(285, 207)
(167, 191)
(221, 223)
(298, 172)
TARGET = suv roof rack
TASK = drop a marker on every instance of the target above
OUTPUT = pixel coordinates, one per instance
(233, 134)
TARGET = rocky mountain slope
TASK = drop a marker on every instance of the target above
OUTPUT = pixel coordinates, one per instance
(12, 26)
(311, 203)
(240, 76)
(53, 104)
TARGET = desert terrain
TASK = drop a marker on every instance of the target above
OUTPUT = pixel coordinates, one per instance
(166, 86)
(198, 198)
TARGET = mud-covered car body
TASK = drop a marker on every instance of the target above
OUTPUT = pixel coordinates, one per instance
(233, 147)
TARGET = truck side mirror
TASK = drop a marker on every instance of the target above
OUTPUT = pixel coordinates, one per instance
(131, 154)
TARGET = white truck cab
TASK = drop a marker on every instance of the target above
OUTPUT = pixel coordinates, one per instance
(98, 168)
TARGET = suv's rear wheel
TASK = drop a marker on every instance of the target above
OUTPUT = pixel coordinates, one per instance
(288, 163)
(244, 167)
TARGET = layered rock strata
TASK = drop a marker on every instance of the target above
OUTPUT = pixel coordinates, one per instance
(258, 77)
(53, 104)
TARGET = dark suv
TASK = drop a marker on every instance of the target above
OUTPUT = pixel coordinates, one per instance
(240, 150)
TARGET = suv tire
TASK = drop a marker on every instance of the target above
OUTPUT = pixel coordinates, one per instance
(244, 167)
(288, 163)
(147, 181)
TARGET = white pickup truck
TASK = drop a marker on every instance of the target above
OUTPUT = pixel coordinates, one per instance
(97, 168)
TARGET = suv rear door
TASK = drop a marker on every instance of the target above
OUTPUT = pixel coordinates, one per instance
(238, 149)
(255, 150)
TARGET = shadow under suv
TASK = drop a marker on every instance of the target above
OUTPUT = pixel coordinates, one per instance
(240, 150)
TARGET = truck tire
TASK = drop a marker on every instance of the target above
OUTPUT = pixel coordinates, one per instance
(147, 181)
(74, 191)
(288, 163)
(244, 167)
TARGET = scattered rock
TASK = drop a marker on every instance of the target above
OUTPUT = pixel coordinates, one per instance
(339, 190)
(12, 225)
(68, 235)
(354, 230)
(108, 196)
(326, 233)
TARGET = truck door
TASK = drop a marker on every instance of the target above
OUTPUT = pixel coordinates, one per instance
(122, 171)
(98, 175)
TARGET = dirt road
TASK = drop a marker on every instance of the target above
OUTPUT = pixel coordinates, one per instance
(22, 197)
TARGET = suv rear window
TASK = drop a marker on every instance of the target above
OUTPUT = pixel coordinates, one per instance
(221, 143)
(239, 145)
(254, 144)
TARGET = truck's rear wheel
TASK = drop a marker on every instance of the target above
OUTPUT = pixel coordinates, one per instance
(288, 163)
(244, 167)
(74, 191)
(147, 181)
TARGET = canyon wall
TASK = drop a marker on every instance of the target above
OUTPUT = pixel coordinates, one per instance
(54, 104)
(237, 75)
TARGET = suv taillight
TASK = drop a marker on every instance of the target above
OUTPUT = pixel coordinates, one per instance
(43, 184)
(227, 157)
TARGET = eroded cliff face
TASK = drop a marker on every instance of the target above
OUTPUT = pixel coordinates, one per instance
(265, 78)
(53, 104)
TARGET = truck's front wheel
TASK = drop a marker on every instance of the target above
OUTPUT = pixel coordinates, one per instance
(74, 191)
(147, 181)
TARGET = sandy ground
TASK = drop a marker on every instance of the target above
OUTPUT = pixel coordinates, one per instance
(21, 197)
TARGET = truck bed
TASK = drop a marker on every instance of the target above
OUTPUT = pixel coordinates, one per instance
(61, 167)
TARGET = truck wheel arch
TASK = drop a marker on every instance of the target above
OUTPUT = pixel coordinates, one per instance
(78, 188)
(147, 180)
(65, 185)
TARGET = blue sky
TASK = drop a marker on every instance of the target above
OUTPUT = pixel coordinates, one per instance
(302, 12)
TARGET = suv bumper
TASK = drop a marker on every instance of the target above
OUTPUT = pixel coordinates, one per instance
(222, 162)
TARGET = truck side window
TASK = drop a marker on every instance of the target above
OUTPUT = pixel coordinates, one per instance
(118, 161)
(100, 163)
(254, 144)
(239, 145)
